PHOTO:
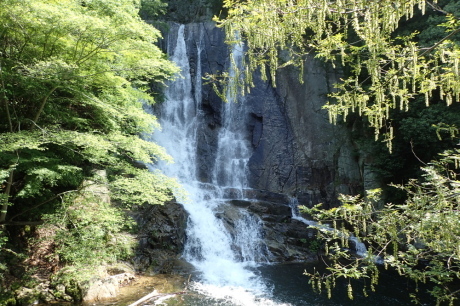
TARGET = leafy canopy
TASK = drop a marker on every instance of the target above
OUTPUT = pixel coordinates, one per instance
(74, 76)
(385, 72)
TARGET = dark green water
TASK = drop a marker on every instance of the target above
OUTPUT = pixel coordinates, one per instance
(289, 287)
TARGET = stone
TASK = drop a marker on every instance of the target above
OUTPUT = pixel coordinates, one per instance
(268, 196)
(61, 294)
(26, 296)
(240, 203)
(280, 210)
(100, 289)
(161, 236)
(46, 296)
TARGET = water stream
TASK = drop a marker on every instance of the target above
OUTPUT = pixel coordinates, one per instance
(359, 248)
(225, 262)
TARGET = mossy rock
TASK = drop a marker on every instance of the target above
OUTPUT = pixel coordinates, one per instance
(27, 296)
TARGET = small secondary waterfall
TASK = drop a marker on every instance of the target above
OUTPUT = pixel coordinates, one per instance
(359, 247)
(223, 260)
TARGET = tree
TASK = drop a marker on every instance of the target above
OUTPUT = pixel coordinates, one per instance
(419, 238)
(74, 76)
(384, 69)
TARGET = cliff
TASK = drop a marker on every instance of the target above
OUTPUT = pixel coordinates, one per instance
(295, 150)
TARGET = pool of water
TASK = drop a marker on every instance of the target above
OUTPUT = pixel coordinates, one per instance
(292, 287)
(287, 286)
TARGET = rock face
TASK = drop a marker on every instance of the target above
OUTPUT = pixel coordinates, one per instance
(187, 11)
(161, 236)
(296, 150)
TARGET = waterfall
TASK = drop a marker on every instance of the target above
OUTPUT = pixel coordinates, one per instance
(233, 148)
(359, 247)
(224, 261)
(294, 204)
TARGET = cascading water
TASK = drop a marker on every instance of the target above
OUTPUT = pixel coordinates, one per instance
(359, 247)
(294, 204)
(233, 149)
(224, 260)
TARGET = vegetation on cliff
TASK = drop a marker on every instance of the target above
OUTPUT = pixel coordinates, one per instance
(74, 76)
(393, 60)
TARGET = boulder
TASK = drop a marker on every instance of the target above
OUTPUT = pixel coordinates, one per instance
(161, 236)
(99, 289)
(284, 239)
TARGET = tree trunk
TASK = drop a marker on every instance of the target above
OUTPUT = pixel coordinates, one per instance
(4, 208)
(5, 101)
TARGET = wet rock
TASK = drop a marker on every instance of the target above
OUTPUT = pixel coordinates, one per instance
(267, 196)
(229, 215)
(233, 193)
(284, 239)
(240, 203)
(290, 241)
(279, 211)
(161, 236)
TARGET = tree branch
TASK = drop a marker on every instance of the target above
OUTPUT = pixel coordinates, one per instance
(42, 106)
(436, 7)
(44, 202)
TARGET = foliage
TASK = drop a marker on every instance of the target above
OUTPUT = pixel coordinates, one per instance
(130, 189)
(89, 231)
(151, 8)
(420, 238)
(386, 72)
(3, 241)
(420, 134)
(73, 78)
